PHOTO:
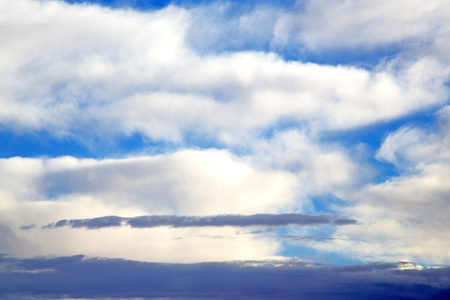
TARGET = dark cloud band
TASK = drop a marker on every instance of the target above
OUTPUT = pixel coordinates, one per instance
(208, 221)
(94, 278)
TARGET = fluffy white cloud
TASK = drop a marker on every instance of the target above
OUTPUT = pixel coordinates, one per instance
(40, 191)
(61, 58)
(406, 216)
(65, 71)
(186, 182)
(319, 168)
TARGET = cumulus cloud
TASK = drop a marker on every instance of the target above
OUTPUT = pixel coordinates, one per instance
(186, 182)
(39, 191)
(189, 182)
(319, 167)
(408, 212)
(210, 221)
(71, 75)
(83, 277)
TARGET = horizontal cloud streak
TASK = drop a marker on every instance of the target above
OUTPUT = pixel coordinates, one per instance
(213, 221)
(81, 277)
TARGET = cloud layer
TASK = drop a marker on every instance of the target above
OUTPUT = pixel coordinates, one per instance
(65, 71)
(81, 277)
(211, 221)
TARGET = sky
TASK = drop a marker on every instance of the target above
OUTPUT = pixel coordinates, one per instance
(224, 149)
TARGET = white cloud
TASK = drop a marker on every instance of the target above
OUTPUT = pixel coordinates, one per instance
(406, 216)
(61, 58)
(358, 23)
(319, 168)
(65, 71)
(418, 148)
(159, 244)
(40, 191)
(400, 147)
(186, 182)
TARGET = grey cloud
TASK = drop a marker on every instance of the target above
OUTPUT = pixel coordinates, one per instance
(215, 221)
(27, 227)
(94, 278)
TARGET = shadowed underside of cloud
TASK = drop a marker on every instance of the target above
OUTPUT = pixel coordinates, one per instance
(212, 221)
(81, 277)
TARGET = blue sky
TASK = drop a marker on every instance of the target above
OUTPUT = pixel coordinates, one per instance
(311, 135)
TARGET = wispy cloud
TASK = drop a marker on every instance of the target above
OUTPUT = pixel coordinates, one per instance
(370, 24)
